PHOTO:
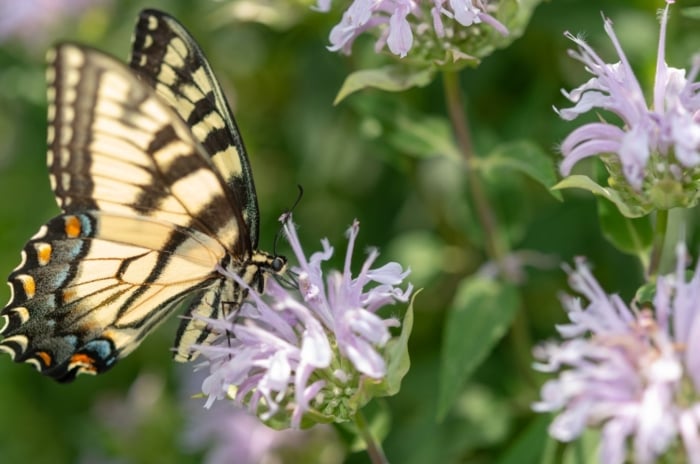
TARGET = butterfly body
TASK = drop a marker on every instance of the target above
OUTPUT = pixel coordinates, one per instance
(157, 200)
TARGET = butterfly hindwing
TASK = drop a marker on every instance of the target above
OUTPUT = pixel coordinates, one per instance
(194, 328)
(221, 300)
(167, 57)
(92, 285)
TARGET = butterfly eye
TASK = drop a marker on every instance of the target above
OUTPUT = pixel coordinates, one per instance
(278, 263)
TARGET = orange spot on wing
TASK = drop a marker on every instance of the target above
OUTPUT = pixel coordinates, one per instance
(69, 295)
(84, 362)
(43, 253)
(45, 357)
(73, 226)
(28, 285)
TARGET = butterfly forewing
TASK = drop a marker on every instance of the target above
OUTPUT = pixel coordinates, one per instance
(115, 146)
(166, 56)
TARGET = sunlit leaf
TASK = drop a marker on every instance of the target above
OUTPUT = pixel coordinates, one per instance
(392, 78)
(480, 315)
(692, 12)
(398, 360)
(527, 158)
(425, 137)
(629, 210)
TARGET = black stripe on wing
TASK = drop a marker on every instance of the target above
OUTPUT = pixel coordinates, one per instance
(168, 58)
(114, 145)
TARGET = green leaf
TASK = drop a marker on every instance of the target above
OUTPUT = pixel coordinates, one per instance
(423, 252)
(424, 136)
(516, 15)
(397, 364)
(393, 78)
(527, 158)
(480, 420)
(481, 313)
(645, 294)
(585, 450)
(398, 360)
(489, 415)
(529, 446)
(631, 235)
(692, 12)
(586, 183)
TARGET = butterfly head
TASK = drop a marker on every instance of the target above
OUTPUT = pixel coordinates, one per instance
(269, 263)
(264, 264)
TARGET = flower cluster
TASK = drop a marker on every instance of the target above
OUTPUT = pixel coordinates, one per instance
(229, 434)
(316, 350)
(28, 20)
(654, 158)
(633, 370)
(400, 20)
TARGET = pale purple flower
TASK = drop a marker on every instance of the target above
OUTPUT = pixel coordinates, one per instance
(230, 434)
(310, 348)
(28, 20)
(399, 20)
(659, 139)
(633, 372)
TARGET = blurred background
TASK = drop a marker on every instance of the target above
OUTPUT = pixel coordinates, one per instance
(354, 160)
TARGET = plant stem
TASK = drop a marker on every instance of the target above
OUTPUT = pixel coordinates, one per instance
(496, 249)
(521, 343)
(658, 244)
(374, 449)
(455, 107)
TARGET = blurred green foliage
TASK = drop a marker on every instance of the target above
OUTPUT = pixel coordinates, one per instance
(353, 161)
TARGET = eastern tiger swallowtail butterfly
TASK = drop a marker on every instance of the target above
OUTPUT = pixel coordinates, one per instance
(156, 194)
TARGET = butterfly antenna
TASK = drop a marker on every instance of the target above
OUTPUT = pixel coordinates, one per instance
(286, 217)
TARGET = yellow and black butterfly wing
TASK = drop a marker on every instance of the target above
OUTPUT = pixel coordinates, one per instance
(114, 145)
(146, 220)
(92, 285)
(166, 56)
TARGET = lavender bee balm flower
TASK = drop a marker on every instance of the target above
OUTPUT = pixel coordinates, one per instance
(633, 372)
(653, 157)
(316, 352)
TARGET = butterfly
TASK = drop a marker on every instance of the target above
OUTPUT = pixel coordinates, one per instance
(157, 199)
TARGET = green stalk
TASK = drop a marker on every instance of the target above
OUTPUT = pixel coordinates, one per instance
(496, 249)
(660, 229)
(455, 107)
(374, 449)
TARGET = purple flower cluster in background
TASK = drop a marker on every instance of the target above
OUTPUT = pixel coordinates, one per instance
(230, 434)
(29, 20)
(397, 20)
(633, 371)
